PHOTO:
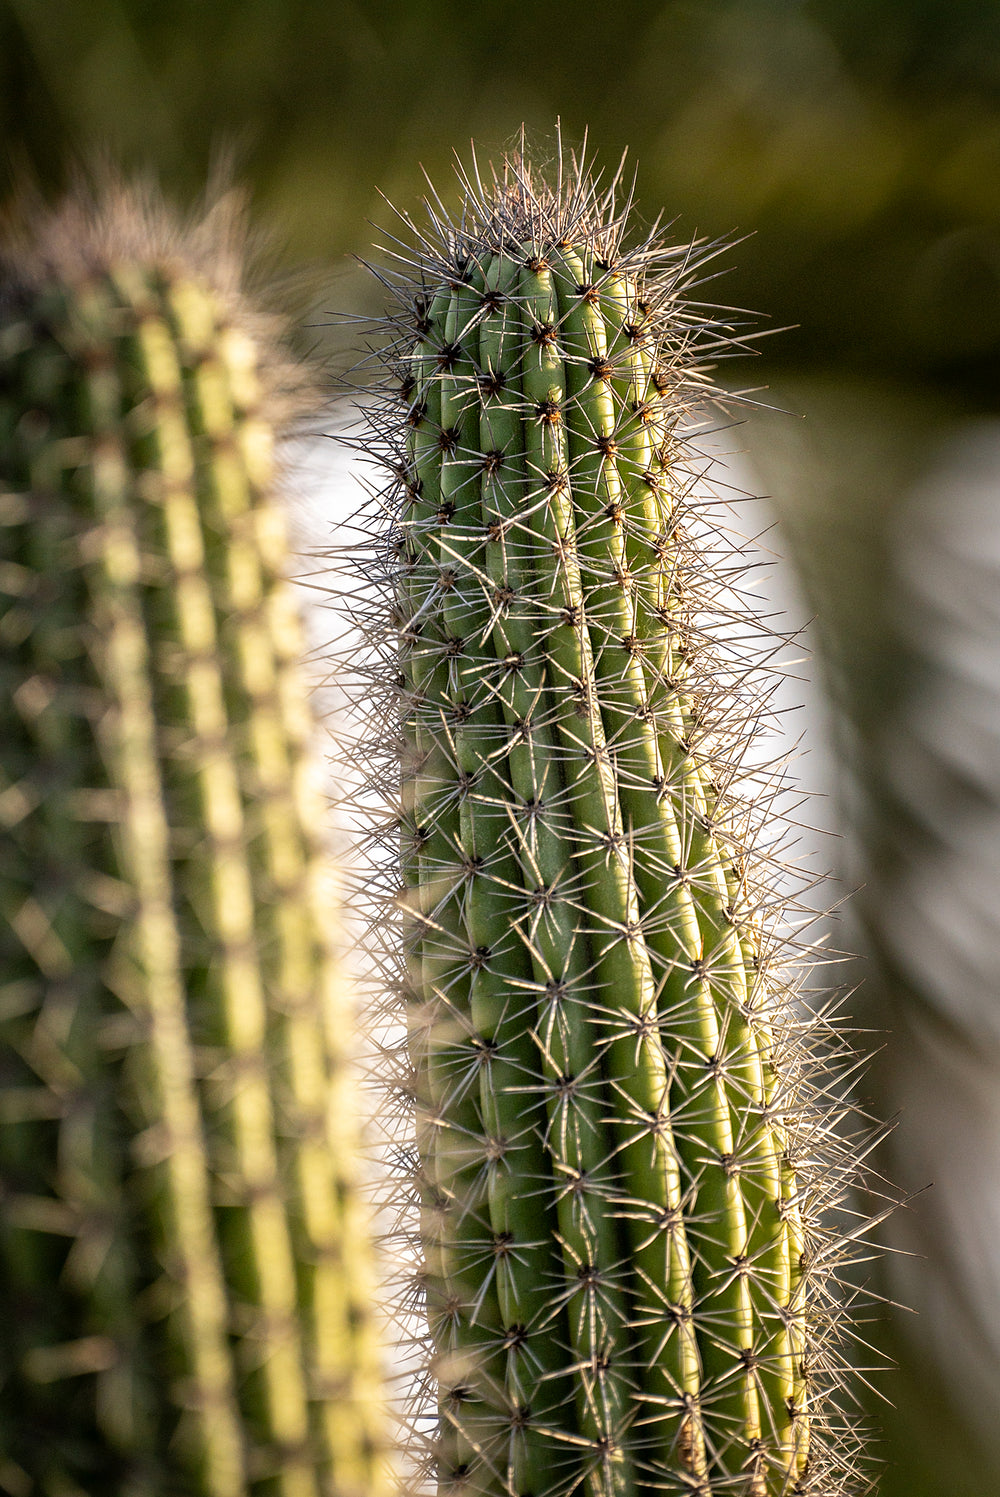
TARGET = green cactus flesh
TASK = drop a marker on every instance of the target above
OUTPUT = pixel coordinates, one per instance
(618, 1203)
(182, 1243)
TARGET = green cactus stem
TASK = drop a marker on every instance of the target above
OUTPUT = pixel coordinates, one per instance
(183, 1248)
(622, 1158)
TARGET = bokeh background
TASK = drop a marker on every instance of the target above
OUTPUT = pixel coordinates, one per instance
(856, 146)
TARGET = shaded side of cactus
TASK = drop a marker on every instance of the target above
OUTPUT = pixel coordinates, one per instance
(623, 1161)
(182, 1246)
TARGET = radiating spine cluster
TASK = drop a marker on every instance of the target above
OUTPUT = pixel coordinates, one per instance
(183, 1250)
(623, 1152)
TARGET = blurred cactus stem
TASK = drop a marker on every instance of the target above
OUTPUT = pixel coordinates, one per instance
(183, 1250)
(623, 1164)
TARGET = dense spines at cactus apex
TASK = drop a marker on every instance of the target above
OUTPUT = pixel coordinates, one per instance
(624, 1157)
(183, 1249)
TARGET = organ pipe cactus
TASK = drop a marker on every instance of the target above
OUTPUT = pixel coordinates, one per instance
(624, 1149)
(186, 1284)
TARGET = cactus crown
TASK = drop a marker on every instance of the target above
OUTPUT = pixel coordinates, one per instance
(621, 1126)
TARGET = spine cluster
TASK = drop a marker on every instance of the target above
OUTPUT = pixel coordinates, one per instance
(182, 1247)
(624, 1156)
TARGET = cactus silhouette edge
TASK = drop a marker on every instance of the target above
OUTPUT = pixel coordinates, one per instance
(624, 1148)
(182, 1238)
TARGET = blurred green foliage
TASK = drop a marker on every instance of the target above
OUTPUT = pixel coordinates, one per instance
(855, 143)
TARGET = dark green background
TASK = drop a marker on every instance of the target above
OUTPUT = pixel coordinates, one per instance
(854, 143)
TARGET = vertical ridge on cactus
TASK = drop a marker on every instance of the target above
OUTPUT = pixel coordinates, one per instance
(182, 1248)
(626, 1160)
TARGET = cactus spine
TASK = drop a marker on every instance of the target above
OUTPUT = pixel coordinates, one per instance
(182, 1245)
(625, 1264)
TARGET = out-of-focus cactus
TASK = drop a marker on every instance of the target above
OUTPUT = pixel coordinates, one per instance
(625, 1156)
(183, 1254)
